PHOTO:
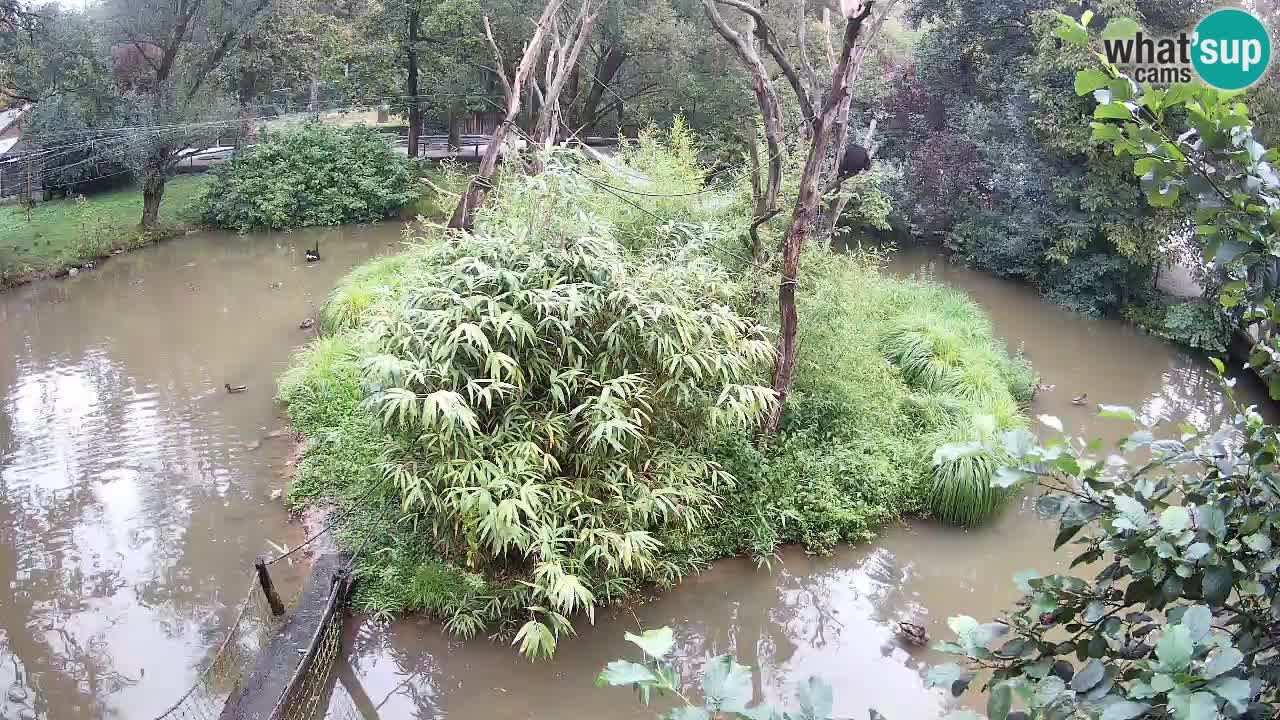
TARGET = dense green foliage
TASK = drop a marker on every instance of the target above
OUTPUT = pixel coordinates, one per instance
(1179, 619)
(562, 403)
(986, 124)
(309, 174)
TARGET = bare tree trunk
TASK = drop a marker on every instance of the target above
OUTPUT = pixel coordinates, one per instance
(471, 200)
(766, 205)
(247, 90)
(411, 88)
(841, 198)
(757, 198)
(766, 37)
(561, 59)
(313, 96)
(806, 211)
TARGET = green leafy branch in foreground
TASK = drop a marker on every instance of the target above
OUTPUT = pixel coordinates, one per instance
(726, 685)
(1193, 146)
(1181, 619)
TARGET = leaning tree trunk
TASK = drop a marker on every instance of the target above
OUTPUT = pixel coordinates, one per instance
(411, 87)
(803, 218)
(601, 79)
(464, 214)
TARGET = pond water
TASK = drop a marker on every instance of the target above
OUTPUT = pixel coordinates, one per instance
(135, 492)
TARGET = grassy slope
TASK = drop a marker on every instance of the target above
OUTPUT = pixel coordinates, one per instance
(63, 233)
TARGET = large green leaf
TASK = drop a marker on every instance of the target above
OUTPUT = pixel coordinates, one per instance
(1175, 519)
(1175, 649)
(1193, 706)
(1089, 676)
(625, 672)
(1000, 701)
(1122, 412)
(1217, 584)
(1222, 661)
(726, 685)
(1198, 621)
(1120, 29)
(1236, 691)
(1071, 31)
(655, 643)
(1113, 111)
(1089, 80)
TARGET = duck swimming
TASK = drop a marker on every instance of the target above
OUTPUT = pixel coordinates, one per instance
(1080, 399)
(233, 389)
(313, 254)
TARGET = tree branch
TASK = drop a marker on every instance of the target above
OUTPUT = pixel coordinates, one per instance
(770, 41)
(500, 70)
(770, 110)
(220, 50)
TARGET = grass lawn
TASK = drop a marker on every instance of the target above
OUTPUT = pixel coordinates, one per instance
(63, 233)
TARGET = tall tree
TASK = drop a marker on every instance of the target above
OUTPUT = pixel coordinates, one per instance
(824, 119)
(179, 46)
(561, 64)
(512, 87)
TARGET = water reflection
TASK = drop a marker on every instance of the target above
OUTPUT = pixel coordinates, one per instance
(133, 491)
(835, 616)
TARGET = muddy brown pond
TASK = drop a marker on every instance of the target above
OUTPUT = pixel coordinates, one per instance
(135, 493)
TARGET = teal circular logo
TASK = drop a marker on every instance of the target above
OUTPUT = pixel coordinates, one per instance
(1230, 49)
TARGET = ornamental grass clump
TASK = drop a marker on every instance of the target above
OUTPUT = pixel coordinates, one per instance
(545, 402)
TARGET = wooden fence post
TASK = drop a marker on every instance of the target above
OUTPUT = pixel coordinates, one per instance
(268, 588)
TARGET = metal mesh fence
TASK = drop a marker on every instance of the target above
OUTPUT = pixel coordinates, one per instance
(310, 700)
(229, 663)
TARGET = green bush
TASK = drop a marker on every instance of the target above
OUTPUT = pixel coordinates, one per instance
(310, 174)
(1198, 324)
(564, 403)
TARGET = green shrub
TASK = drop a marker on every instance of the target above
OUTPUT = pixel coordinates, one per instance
(545, 402)
(563, 403)
(858, 440)
(1198, 324)
(309, 174)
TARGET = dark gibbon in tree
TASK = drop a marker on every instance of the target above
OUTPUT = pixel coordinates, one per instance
(856, 159)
